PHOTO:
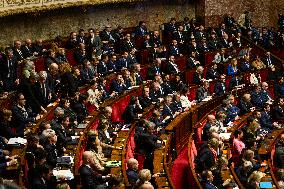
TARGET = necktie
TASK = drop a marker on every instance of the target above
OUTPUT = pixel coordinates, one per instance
(43, 90)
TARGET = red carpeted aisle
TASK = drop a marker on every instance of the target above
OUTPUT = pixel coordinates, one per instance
(180, 171)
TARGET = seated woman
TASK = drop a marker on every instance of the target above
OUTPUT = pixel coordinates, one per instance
(106, 134)
(94, 96)
(5, 124)
(132, 111)
(144, 178)
(185, 103)
(254, 180)
(233, 68)
(96, 146)
(248, 155)
(243, 171)
(252, 132)
(65, 105)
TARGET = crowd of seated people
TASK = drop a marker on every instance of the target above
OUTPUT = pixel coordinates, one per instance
(100, 53)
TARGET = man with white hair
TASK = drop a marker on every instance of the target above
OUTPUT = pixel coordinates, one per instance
(42, 90)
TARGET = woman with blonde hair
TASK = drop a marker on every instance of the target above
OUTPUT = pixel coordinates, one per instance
(254, 180)
(144, 177)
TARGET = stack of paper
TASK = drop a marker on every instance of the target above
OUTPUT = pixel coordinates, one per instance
(63, 174)
(17, 141)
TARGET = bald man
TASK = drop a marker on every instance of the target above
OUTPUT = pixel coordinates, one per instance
(89, 178)
(146, 186)
(132, 171)
(211, 121)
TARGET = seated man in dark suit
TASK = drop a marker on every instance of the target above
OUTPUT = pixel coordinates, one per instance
(278, 112)
(207, 180)
(53, 149)
(235, 81)
(155, 69)
(145, 99)
(123, 62)
(138, 80)
(245, 65)
(132, 110)
(102, 66)
(266, 119)
(89, 178)
(88, 73)
(172, 67)
(245, 105)
(43, 179)
(203, 91)
(112, 64)
(212, 72)
(220, 86)
(132, 171)
(80, 54)
(256, 97)
(22, 115)
(118, 84)
(156, 93)
(80, 108)
(174, 49)
(169, 109)
(211, 121)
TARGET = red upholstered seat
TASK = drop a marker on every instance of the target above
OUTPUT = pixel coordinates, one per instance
(70, 57)
(212, 86)
(95, 125)
(192, 93)
(189, 76)
(79, 163)
(91, 108)
(199, 132)
(181, 62)
(263, 75)
(144, 57)
(116, 116)
(39, 64)
(209, 57)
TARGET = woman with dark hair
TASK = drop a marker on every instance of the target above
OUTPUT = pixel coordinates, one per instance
(5, 124)
(132, 110)
(65, 105)
(238, 146)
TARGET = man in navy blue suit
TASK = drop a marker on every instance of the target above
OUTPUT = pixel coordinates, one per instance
(118, 84)
(123, 62)
(220, 86)
(102, 66)
(257, 98)
(266, 119)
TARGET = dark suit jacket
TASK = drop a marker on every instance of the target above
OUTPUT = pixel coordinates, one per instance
(279, 157)
(245, 66)
(212, 74)
(166, 87)
(115, 86)
(234, 82)
(18, 54)
(21, 118)
(278, 91)
(40, 95)
(266, 120)
(171, 68)
(37, 183)
(196, 79)
(89, 179)
(219, 88)
(190, 63)
(201, 94)
(102, 68)
(81, 111)
(132, 176)
(111, 65)
(256, 99)
(87, 75)
(79, 57)
(278, 113)
(123, 63)
(155, 95)
(130, 113)
(174, 51)
(145, 101)
(27, 51)
(52, 153)
(244, 107)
